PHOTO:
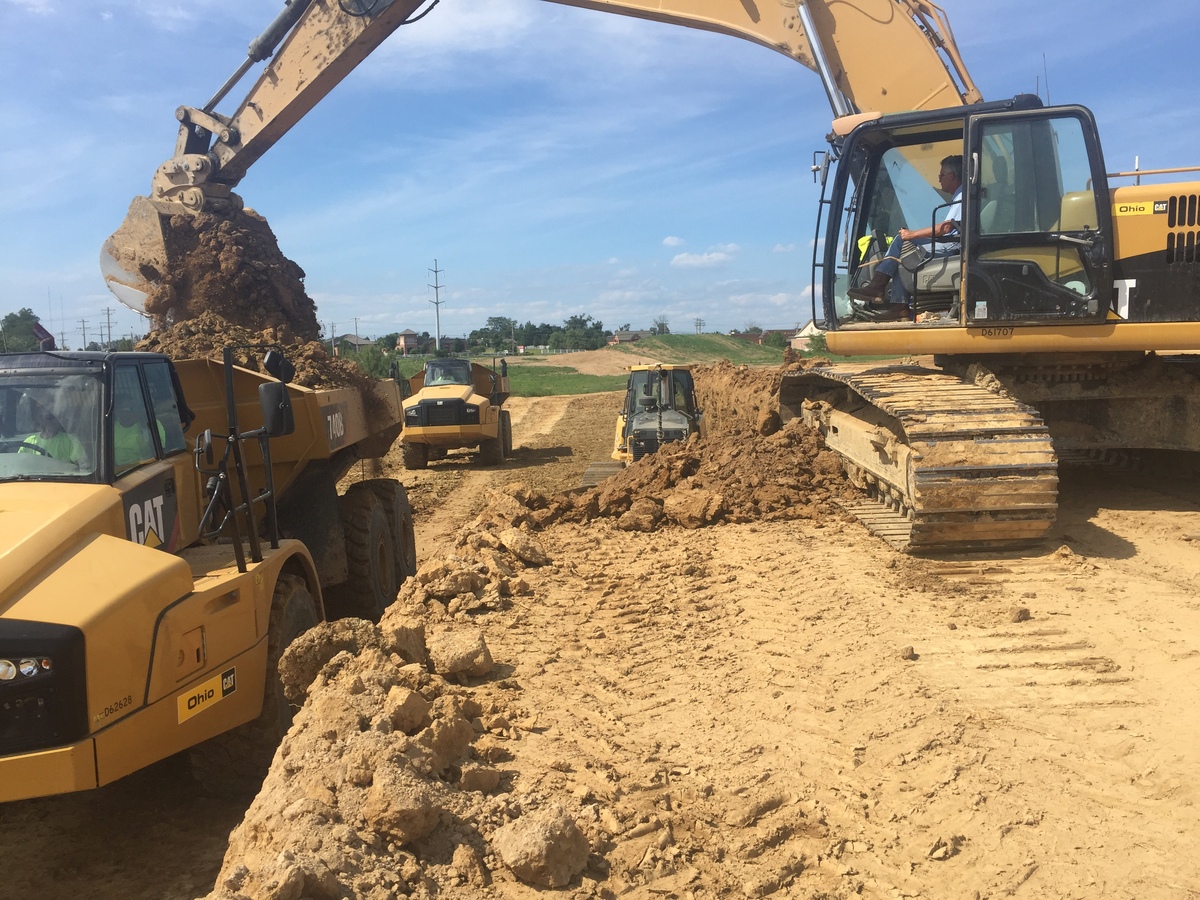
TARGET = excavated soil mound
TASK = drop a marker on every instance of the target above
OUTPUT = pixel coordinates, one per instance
(208, 334)
(747, 466)
(230, 265)
(391, 780)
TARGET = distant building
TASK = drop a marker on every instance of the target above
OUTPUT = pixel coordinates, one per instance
(408, 341)
(355, 342)
(801, 338)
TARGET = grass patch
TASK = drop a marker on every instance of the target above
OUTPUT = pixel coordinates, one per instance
(555, 381)
(702, 349)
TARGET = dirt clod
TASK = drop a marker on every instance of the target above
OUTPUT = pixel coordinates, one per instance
(546, 848)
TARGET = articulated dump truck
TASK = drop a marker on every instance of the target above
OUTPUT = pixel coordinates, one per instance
(167, 529)
(456, 403)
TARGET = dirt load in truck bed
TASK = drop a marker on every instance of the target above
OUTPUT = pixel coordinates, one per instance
(208, 334)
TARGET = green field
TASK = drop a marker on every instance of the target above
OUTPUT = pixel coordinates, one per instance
(527, 380)
(702, 349)
(554, 381)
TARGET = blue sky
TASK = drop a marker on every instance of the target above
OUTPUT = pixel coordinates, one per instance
(553, 161)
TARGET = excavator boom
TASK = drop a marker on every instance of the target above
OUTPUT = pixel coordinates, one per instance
(872, 56)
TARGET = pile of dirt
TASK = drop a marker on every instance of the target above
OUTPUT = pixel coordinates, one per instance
(391, 781)
(748, 466)
(208, 334)
(231, 265)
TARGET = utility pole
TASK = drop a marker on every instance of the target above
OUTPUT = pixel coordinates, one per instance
(699, 325)
(356, 334)
(437, 306)
(108, 311)
(83, 325)
(332, 339)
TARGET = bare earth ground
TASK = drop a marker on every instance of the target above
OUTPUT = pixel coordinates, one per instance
(779, 708)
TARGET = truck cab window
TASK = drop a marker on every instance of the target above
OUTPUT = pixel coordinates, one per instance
(133, 444)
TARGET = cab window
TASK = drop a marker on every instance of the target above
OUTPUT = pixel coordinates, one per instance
(133, 444)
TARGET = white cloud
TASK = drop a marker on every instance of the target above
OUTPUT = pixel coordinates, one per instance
(783, 248)
(700, 260)
(672, 241)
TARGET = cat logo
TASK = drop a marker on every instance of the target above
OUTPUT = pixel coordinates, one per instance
(1160, 207)
(146, 522)
(204, 695)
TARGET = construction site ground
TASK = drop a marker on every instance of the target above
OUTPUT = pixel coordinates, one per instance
(772, 704)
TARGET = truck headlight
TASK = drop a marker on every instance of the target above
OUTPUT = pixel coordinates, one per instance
(26, 667)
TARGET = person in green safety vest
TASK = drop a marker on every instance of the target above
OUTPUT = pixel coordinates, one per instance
(51, 439)
(132, 444)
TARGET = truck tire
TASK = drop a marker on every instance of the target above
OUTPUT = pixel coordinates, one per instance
(400, 519)
(491, 450)
(371, 583)
(235, 763)
(416, 456)
(506, 433)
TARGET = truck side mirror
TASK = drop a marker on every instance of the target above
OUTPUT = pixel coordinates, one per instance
(204, 446)
(276, 404)
(279, 366)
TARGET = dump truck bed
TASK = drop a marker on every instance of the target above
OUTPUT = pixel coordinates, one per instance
(339, 424)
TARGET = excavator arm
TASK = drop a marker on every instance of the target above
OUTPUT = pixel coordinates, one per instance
(872, 56)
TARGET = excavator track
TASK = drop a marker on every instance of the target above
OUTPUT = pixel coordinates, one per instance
(946, 464)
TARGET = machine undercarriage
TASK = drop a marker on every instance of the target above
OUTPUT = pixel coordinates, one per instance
(966, 456)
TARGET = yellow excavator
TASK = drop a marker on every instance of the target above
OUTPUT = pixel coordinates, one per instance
(880, 50)
(1050, 319)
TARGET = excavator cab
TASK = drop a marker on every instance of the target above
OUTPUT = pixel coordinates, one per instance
(1035, 242)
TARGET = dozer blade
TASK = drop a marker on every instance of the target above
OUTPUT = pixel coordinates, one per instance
(596, 472)
(134, 257)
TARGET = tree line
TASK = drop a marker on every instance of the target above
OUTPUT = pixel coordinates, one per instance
(19, 335)
(502, 334)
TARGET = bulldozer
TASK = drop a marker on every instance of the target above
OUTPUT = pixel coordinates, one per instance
(659, 407)
(455, 403)
(169, 528)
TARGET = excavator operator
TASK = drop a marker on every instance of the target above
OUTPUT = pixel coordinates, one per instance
(921, 241)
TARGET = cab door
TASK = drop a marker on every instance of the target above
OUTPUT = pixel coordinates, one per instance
(147, 455)
(1039, 241)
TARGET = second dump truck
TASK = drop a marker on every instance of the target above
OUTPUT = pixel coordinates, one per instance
(456, 403)
(167, 529)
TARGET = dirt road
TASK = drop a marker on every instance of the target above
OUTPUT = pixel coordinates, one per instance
(780, 708)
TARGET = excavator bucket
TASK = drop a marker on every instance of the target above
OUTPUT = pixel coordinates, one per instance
(134, 258)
